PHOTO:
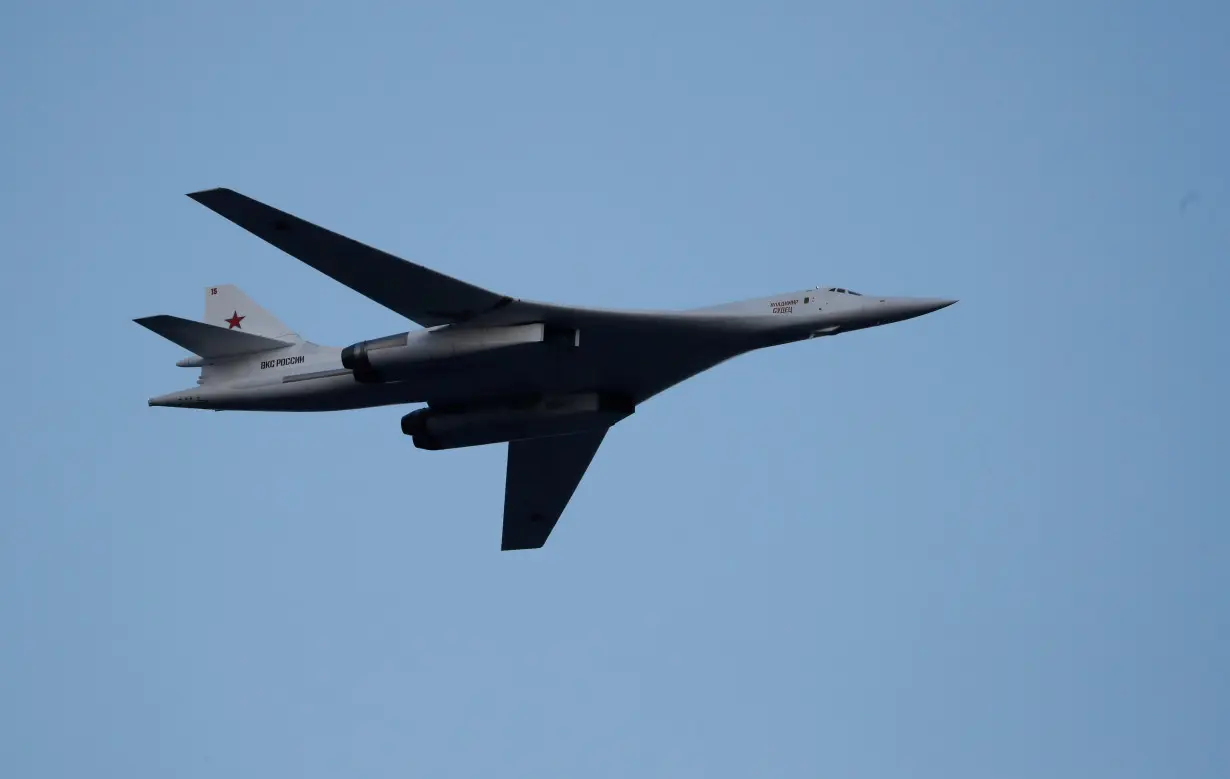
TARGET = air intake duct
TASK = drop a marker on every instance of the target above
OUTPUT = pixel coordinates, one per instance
(398, 357)
(561, 415)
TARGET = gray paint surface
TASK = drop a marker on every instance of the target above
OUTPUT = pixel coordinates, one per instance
(483, 354)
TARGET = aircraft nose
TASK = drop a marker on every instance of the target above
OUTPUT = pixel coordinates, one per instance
(928, 305)
(899, 309)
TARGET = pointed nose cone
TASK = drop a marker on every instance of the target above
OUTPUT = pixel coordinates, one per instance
(885, 311)
(928, 305)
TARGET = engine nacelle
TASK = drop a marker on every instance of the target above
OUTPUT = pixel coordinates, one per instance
(390, 358)
(560, 415)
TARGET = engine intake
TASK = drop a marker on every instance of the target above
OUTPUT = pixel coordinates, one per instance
(393, 357)
(436, 429)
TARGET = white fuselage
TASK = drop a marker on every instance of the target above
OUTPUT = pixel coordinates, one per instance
(633, 354)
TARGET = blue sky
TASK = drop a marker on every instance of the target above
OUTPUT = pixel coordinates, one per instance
(989, 542)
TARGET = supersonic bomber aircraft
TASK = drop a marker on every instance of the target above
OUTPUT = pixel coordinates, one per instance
(549, 380)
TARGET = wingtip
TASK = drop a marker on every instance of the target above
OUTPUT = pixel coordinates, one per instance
(512, 546)
(201, 194)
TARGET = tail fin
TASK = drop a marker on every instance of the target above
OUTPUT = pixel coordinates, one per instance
(227, 306)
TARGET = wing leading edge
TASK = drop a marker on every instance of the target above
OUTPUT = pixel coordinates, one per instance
(417, 293)
(543, 474)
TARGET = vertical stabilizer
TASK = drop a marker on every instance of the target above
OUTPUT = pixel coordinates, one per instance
(227, 306)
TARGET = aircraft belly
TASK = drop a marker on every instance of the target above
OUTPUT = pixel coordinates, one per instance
(619, 366)
(624, 366)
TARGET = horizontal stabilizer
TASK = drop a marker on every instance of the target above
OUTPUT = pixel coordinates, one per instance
(209, 341)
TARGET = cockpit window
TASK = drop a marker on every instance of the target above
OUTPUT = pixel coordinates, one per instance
(845, 291)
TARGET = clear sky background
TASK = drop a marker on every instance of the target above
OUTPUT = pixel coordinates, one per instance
(992, 542)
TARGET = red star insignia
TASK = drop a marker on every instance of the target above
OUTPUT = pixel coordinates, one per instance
(234, 320)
